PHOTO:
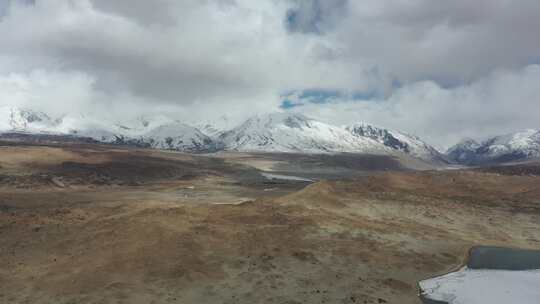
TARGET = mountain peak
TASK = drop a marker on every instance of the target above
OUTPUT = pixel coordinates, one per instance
(397, 141)
(503, 148)
(464, 144)
(291, 120)
(292, 132)
(272, 132)
(23, 119)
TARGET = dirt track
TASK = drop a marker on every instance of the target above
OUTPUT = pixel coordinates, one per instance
(152, 228)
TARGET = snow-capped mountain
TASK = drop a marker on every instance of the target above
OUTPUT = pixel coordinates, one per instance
(172, 136)
(215, 127)
(16, 119)
(398, 141)
(159, 132)
(285, 132)
(463, 152)
(82, 125)
(505, 148)
(210, 130)
(154, 131)
(276, 132)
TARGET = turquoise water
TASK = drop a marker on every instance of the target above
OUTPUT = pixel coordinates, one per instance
(500, 258)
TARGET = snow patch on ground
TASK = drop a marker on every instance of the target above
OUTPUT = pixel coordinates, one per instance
(472, 286)
(286, 177)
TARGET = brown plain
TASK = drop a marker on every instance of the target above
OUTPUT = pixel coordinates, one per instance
(91, 224)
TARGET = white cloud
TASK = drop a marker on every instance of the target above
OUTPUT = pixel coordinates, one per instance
(504, 101)
(205, 58)
(41, 90)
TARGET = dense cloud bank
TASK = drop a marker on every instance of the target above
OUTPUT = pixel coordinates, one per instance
(440, 70)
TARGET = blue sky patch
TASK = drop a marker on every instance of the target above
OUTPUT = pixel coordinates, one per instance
(319, 96)
(287, 104)
(313, 16)
(293, 99)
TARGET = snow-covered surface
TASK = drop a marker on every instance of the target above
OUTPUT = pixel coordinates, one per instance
(276, 132)
(484, 286)
(396, 140)
(16, 119)
(463, 151)
(152, 131)
(215, 127)
(286, 132)
(177, 136)
(509, 147)
(527, 142)
(285, 177)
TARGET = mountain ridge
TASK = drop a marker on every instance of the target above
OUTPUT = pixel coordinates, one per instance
(274, 132)
(516, 146)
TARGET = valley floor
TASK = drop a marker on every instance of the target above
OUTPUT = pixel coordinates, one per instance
(96, 224)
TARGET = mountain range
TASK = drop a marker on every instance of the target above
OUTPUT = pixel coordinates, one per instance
(518, 146)
(275, 132)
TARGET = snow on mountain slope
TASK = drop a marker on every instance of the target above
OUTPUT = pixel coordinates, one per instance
(285, 132)
(209, 130)
(84, 126)
(525, 143)
(13, 119)
(276, 132)
(214, 128)
(464, 151)
(17, 119)
(505, 148)
(142, 124)
(398, 141)
(156, 131)
(175, 136)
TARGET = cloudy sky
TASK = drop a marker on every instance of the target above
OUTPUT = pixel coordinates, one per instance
(442, 70)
